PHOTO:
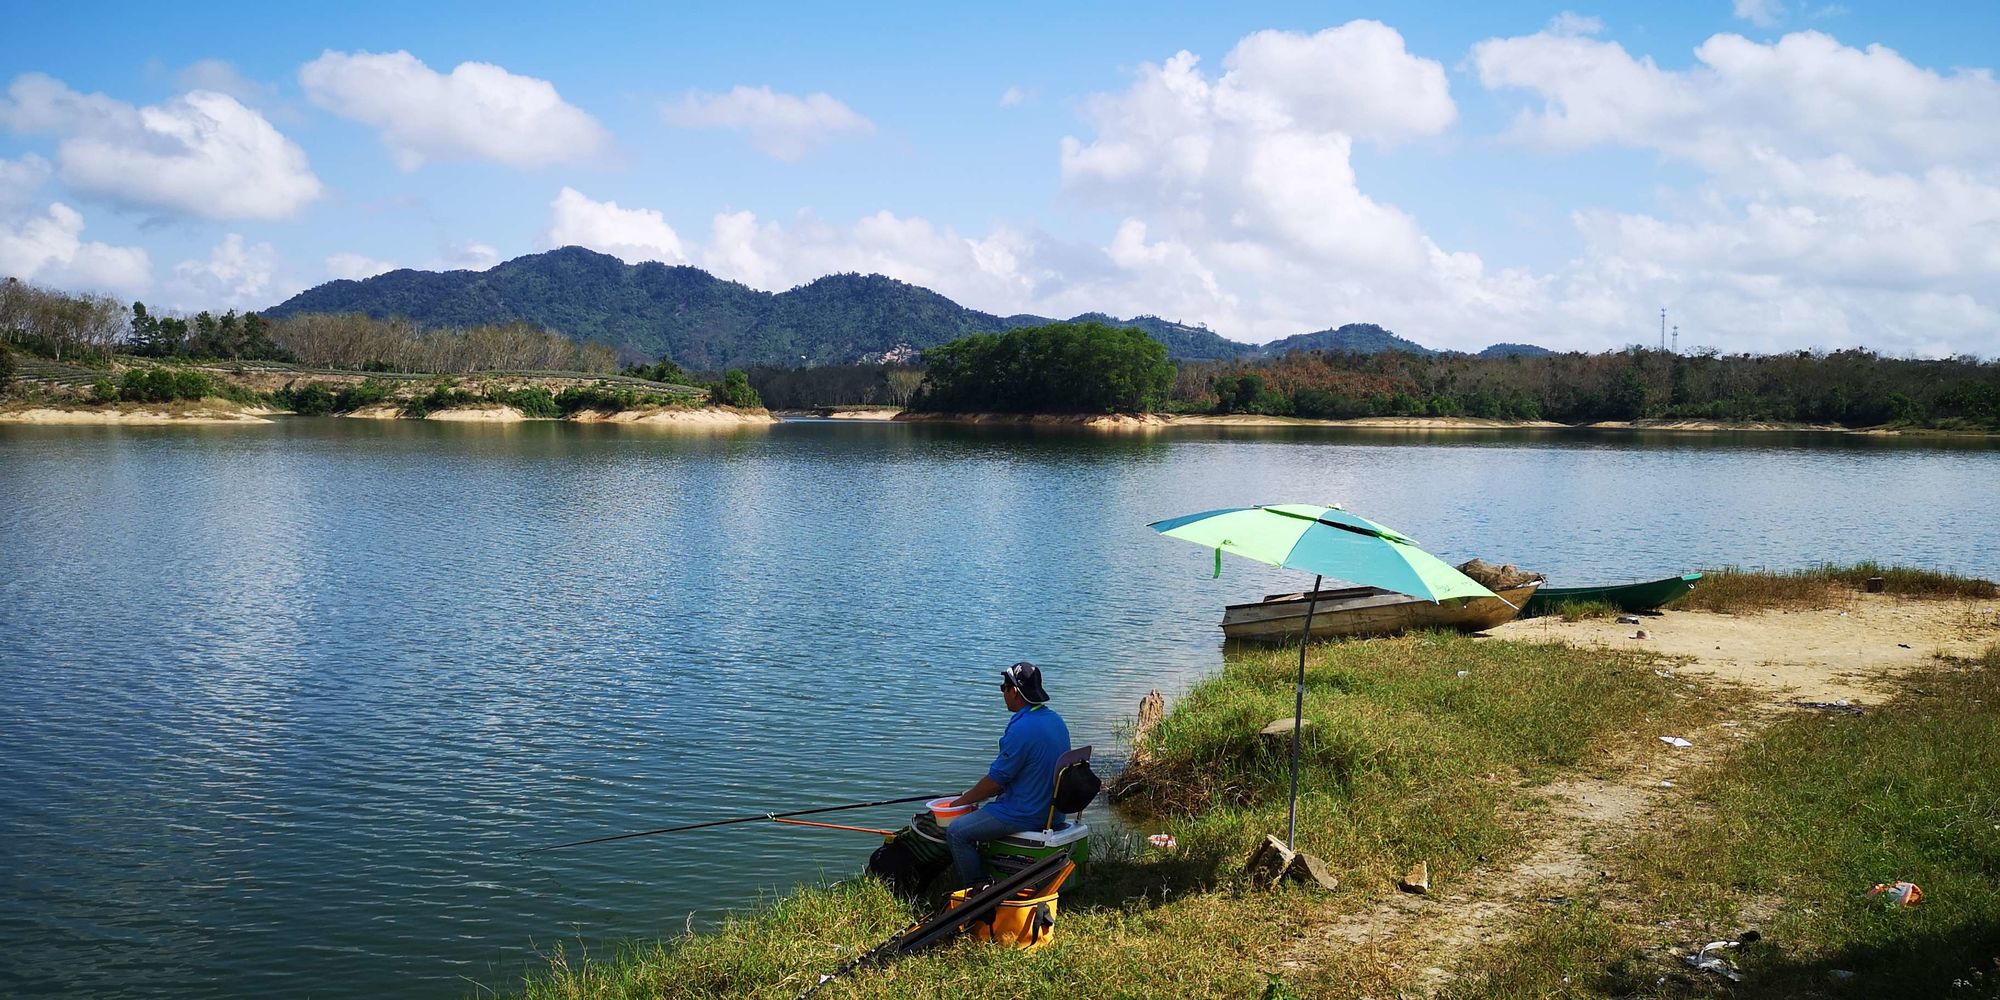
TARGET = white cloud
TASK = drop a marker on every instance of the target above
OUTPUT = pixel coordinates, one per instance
(478, 111)
(201, 154)
(20, 179)
(1849, 195)
(1803, 95)
(1241, 207)
(631, 234)
(783, 126)
(468, 256)
(1762, 13)
(355, 266)
(49, 248)
(236, 275)
(1014, 97)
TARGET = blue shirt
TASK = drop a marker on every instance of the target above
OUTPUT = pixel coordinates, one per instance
(1026, 768)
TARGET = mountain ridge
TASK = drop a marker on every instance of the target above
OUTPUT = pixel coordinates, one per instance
(649, 310)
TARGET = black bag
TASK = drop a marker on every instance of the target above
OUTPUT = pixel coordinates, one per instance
(1076, 786)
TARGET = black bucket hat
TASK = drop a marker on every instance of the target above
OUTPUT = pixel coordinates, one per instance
(1026, 678)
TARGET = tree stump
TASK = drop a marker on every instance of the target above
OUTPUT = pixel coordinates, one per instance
(1152, 708)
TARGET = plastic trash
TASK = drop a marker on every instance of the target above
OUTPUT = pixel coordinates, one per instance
(1897, 893)
(1675, 741)
(1163, 841)
(1708, 961)
(1628, 619)
(1465, 673)
(1711, 959)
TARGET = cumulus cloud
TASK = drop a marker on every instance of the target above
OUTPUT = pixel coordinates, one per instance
(49, 248)
(1014, 97)
(468, 256)
(355, 266)
(1762, 13)
(1848, 195)
(235, 275)
(631, 234)
(783, 126)
(477, 111)
(202, 154)
(1241, 206)
(20, 179)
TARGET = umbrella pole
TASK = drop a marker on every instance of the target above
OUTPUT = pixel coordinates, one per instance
(1298, 720)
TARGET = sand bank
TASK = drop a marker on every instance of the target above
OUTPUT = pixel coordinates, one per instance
(1846, 652)
(478, 415)
(131, 415)
(706, 416)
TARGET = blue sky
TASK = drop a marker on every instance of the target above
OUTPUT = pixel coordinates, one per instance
(1460, 173)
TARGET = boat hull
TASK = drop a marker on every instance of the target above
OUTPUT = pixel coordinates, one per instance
(1626, 596)
(1367, 611)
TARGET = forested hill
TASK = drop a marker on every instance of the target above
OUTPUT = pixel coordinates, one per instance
(646, 311)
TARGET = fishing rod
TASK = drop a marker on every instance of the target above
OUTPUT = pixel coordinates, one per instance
(725, 822)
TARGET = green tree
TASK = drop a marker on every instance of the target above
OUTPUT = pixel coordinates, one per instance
(1058, 368)
(734, 390)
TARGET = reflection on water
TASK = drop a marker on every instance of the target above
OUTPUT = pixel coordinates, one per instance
(280, 704)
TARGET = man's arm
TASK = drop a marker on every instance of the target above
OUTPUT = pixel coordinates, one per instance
(982, 790)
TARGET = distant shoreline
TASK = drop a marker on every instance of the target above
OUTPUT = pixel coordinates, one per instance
(215, 411)
(1167, 421)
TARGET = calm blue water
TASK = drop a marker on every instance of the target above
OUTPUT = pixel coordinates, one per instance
(279, 704)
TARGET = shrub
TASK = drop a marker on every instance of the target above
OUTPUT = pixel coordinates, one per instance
(443, 396)
(104, 390)
(371, 392)
(310, 400)
(6, 367)
(735, 390)
(534, 400)
(159, 385)
(595, 397)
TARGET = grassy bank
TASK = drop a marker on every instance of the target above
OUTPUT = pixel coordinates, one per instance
(1431, 747)
(1785, 837)
(1738, 591)
(1732, 590)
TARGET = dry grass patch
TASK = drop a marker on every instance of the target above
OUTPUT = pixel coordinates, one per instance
(1739, 591)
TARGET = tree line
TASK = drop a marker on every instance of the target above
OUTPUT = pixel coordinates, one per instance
(836, 385)
(59, 325)
(356, 342)
(1853, 388)
(86, 328)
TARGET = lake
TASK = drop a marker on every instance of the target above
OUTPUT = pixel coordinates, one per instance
(279, 704)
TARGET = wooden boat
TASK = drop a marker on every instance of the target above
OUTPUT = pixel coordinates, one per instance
(1367, 611)
(1627, 596)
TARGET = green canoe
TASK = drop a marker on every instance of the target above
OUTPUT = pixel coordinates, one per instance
(1627, 596)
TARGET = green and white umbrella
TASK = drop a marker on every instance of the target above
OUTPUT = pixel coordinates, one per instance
(1324, 541)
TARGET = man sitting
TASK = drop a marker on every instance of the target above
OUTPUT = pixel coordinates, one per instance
(1019, 787)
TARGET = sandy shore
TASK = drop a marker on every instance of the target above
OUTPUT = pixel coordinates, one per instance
(1846, 652)
(1158, 421)
(137, 415)
(1721, 425)
(706, 416)
(478, 415)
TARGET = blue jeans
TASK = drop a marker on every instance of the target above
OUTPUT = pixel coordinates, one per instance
(964, 835)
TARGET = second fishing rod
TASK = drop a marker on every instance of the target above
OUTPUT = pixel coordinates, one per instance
(778, 817)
